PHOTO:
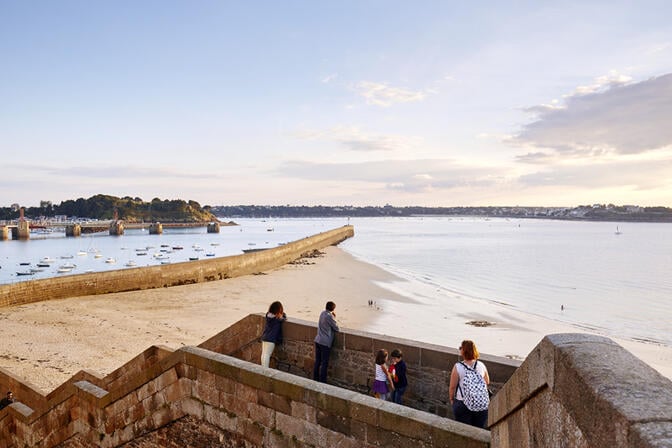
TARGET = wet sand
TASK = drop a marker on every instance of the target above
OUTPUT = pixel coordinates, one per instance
(47, 342)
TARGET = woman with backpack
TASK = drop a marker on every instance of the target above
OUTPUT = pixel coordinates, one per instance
(468, 391)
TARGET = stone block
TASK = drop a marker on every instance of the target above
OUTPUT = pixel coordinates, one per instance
(437, 359)
(252, 431)
(361, 342)
(262, 415)
(651, 435)
(275, 402)
(188, 406)
(303, 411)
(222, 419)
(207, 394)
(333, 422)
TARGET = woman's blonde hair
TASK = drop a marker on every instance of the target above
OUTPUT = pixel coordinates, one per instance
(469, 350)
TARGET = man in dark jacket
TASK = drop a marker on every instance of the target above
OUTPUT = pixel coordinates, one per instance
(326, 329)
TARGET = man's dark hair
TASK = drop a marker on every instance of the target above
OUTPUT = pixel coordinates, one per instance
(330, 306)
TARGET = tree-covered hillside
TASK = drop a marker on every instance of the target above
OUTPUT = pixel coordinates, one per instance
(129, 209)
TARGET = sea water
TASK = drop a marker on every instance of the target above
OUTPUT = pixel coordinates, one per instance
(580, 273)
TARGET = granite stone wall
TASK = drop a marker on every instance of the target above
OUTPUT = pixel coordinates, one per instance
(579, 390)
(573, 390)
(206, 397)
(352, 360)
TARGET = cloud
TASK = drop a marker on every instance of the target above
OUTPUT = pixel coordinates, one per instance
(611, 116)
(605, 175)
(355, 139)
(404, 175)
(111, 172)
(380, 94)
(327, 79)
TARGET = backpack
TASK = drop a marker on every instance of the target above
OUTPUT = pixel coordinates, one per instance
(474, 390)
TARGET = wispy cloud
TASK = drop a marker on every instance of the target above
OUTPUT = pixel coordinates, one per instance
(406, 175)
(611, 116)
(110, 172)
(606, 175)
(355, 139)
(327, 79)
(381, 94)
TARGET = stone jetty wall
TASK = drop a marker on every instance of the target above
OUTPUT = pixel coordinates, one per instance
(167, 275)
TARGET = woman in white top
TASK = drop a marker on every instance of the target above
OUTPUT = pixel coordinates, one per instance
(469, 353)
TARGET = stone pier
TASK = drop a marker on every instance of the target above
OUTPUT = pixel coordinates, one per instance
(213, 227)
(117, 227)
(156, 228)
(73, 230)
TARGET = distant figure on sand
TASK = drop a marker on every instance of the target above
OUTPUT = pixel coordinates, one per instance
(326, 329)
(9, 399)
(272, 331)
(468, 391)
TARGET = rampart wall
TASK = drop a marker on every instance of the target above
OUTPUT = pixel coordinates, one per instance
(351, 363)
(167, 275)
(573, 390)
(583, 391)
(233, 399)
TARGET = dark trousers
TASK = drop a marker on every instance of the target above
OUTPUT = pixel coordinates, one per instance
(397, 393)
(473, 418)
(321, 362)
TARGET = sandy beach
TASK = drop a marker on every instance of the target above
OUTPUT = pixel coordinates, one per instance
(47, 342)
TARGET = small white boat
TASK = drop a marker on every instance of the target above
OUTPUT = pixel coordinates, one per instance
(81, 253)
(66, 257)
(67, 266)
(131, 264)
(47, 260)
(110, 260)
(617, 232)
(63, 270)
(98, 255)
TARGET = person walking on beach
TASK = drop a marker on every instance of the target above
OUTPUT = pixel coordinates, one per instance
(468, 390)
(399, 377)
(382, 382)
(326, 329)
(272, 331)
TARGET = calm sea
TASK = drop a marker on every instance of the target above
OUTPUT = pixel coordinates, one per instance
(616, 284)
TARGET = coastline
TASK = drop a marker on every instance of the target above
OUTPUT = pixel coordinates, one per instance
(47, 342)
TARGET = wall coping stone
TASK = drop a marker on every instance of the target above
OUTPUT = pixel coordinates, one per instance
(611, 395)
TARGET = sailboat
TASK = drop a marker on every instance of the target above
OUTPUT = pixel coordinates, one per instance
(617, 232)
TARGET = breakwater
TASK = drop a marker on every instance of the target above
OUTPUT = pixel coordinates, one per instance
(163, 276)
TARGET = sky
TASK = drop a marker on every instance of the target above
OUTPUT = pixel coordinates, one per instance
(353, 102)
